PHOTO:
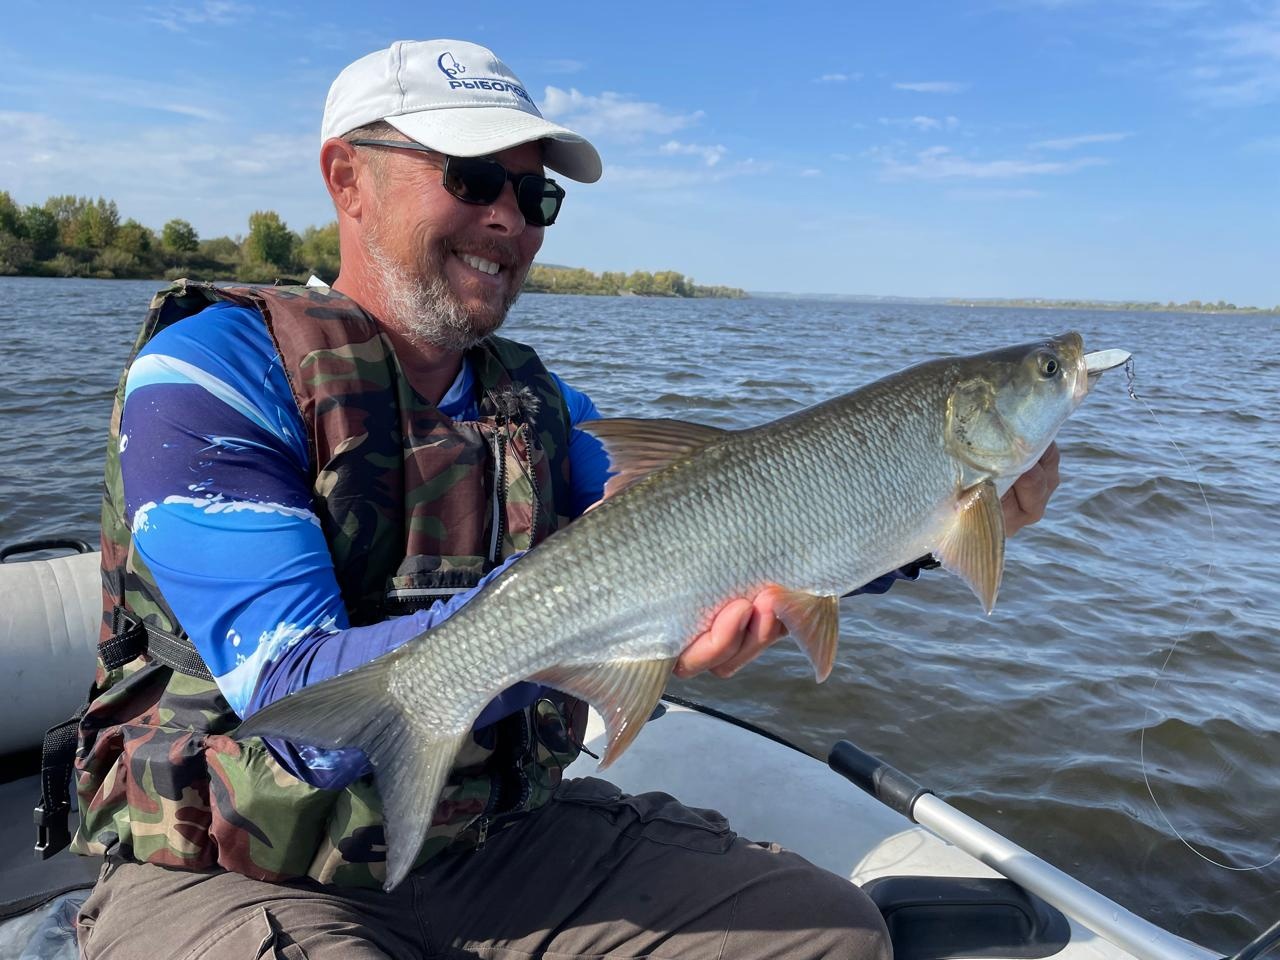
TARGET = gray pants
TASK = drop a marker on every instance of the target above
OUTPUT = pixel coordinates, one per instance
(593, 874)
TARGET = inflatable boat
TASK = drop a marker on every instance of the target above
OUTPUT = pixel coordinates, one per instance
(947, 885)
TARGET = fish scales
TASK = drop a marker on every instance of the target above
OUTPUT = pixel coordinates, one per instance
(813, 504)
(818, 502)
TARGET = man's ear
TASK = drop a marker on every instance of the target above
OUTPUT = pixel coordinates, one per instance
(344, 176)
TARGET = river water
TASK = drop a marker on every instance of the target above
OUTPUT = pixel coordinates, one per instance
(1146, 601)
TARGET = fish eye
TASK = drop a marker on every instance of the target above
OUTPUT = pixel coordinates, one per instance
(1049, 365)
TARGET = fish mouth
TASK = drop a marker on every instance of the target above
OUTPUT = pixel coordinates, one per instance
(1098, 363)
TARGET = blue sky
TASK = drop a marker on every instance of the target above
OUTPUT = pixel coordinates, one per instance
(1059, 148)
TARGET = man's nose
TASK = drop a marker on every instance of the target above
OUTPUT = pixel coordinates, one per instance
(504, 212)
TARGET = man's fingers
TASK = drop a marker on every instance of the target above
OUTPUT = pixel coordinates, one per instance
(1050, 460)
(763, 629)
(721, 642)
(1026, 500)
(1032, 491)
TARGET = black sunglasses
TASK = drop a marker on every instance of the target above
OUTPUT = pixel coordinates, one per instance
(480, 180)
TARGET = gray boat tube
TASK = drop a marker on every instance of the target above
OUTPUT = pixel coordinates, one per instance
(1078, 901)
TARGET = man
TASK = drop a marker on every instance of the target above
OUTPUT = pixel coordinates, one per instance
(302, 480)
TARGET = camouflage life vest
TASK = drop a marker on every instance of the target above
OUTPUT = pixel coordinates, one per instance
(413, 506)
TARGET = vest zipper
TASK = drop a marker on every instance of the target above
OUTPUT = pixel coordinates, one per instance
(499, 498)
(526, 432)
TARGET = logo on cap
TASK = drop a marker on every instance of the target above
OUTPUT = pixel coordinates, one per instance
(450, 66)
(452, 69)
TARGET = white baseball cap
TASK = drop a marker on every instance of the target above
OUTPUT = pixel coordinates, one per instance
(455, 97)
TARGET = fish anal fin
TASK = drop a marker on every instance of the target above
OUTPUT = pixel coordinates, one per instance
(973, 548)
(815, 623)
(624, 693)
(637, 447)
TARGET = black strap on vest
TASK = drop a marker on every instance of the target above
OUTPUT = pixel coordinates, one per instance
(130, 639)
(57, 757)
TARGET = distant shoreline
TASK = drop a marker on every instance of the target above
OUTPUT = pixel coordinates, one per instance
(1127, 306)
(1101, 305)
(1193, 306)
(70, 236)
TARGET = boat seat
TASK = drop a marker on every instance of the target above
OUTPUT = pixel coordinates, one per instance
(26, 881)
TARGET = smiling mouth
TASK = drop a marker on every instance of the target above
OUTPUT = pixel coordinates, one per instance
(480, 263)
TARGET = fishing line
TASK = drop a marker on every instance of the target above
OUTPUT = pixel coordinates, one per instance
(1213, 543)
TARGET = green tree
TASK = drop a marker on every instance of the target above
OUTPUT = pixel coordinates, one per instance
(179, 236)
(67, 211)
(319, 251)
(39, 228)
(98, 225)
(10, 212)
(641, 282)
(133, 238)
(222, 249)
(668, 283)
(270, 241)
(15, 253)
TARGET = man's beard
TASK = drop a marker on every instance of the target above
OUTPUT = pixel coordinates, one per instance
(423, 306)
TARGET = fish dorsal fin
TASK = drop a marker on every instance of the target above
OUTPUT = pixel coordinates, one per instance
(637, 447)
(815, 623)
(973, 548)
(624, 693)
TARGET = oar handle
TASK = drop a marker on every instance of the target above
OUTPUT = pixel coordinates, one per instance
(886, 783)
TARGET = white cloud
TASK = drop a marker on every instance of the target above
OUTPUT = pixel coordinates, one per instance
(1263, 145)
(1257, 39)
(939, 163)
(837, 77)
(933, 86)
(561, 66)
(922, 123)
(1240, 64)
(665, 178)
(811, 172)
(190, 99)
(154, 175)
(613, 115)
(178, 18)
(997, 193)
(654, 178)
(1069, 143)
(711, 155)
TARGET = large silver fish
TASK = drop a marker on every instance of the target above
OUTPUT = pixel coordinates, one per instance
(817, 503)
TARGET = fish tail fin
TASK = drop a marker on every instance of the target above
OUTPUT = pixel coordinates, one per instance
(409, 785)
(411, 761)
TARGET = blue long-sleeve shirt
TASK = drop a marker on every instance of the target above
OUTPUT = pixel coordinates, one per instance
(216, 476)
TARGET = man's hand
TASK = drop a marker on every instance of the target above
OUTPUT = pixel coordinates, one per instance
(737, 635)
(1025, 501)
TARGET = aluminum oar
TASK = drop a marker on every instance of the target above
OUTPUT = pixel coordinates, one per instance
(1078, 901)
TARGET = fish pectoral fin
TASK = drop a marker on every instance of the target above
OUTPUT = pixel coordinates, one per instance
(815, 623)
(637, 448)
(624, 693)
(973, 548)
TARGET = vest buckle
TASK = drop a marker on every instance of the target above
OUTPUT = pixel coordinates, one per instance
(52, 832)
